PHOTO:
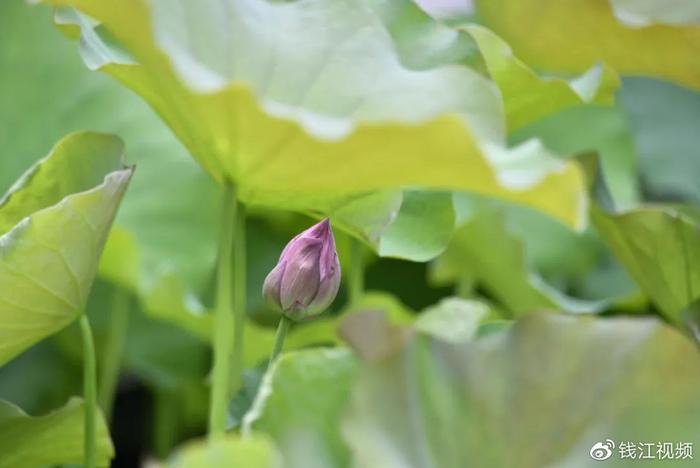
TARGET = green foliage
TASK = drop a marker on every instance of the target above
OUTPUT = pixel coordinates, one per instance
(526, 96)
(539, 393)
(161, 229)
(496, 400)
(53, 439)
(452, 320)
(229, 452)
(422, 227)
(594, 129)
(665, 139)
(485, 252)
(659, 247)
(453, 112)
(471, 142)
(61, 217)
(299, 404)
(570, 36)
(676, 12)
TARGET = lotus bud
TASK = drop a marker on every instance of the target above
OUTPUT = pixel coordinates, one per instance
(307, 276)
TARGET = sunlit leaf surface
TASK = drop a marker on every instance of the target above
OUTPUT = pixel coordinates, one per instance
(54, 224)
(526, 96)
(647, 12)
(288, 122)
(573, 35)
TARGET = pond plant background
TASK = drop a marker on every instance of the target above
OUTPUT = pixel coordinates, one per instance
(513, 191)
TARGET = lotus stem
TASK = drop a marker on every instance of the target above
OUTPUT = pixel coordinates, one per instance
(229, 316)
(282, 329)
(89, 392)
(356, 279)
(239, 297)
(114, 350)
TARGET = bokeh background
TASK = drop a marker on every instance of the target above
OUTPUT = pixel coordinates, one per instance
(648, 141)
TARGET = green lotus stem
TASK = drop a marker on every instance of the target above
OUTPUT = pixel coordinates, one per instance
(89, 391)
(229, 317)
(464, 287)
(239, 298)
(114, 350)
(166, 421)
(356, 281)
(279, 338)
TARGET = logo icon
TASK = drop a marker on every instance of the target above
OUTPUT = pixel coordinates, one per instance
(602, 450)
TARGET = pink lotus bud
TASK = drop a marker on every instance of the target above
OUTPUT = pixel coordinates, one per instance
(307, 276)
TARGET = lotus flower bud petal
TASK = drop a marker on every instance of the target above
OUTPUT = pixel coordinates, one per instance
(306, 278)
(272, 284)
(326, 293)
(302, 277)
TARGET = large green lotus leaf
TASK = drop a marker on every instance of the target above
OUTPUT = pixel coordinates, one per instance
(169, 220)
(77, 163)
(570, 36)
(603, 130)
(53, 439)
(484, 250)
(422, 228)
(579, 263)
(539, 393)
(49, 259)
(367, 216)
(582, 262)
(637, 13)
(526, 96)
(663, 120)
(253, 451)
(289, 137)
(448, 10)
(165, 234)
(299, 404)
(660, 248)
(423, 43)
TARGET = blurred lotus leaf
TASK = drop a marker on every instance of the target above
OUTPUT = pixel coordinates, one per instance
(501, 399)
(231, 452)
(53, 439)
(660, 248)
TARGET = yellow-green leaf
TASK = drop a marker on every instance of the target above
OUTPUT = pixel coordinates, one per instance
(254, 451)
(306, 115)
(52, 439)
(660, 248)
(573, 35)
(54, 225)
(528, 97)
